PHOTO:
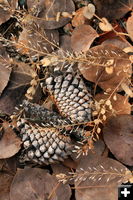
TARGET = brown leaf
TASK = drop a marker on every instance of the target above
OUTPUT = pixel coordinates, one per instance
(70, 163)
(120, 105)
(35, 183)
(5, 68)
(104, 25)
(35, 40)
(106, 56)
(5, 11)
(116, 41)
(101, 178)
(89, 11)
(82, 38)
(10, 144)
(65, 43)
(5, 182)
(14, 93)
(47, 11)
(118, 136)
(114, 9)
(129, 25)
(79, 18)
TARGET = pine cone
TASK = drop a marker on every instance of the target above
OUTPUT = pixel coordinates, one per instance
(39, 114)
(43, 145)
(71, 96)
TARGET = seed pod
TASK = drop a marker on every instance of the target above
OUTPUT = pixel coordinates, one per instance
(43, 145)
(71, 95)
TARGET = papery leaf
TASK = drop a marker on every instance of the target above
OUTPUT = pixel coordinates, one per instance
(18, 84)
(129, 25)
(35, 183)
(114, 9)
(47, 11)
(118, 136)
(103, 56)
(10, 144)
(36, 41)
(82, 38)
(99, 177)
(5, 68)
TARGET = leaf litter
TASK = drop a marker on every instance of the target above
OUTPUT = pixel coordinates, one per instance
(95, 38)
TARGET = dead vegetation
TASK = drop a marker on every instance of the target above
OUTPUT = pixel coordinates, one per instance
(90, 42)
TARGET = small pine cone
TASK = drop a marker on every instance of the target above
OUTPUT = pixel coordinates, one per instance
(39, 114)
(71, 96)
(43, 145)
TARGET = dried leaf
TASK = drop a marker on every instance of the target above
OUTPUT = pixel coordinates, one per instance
(65, 43)
(98, 181)
(105, 25)
(5, 11)
(114, 9)
(129, 25)
(118, 136)
(89, 11)
(36, 41)
(5, 68)
(10, 144)
(79, 18)
(109, 70)
(5, 182)
(14, 92)
(127, 90)
(82, 38)
(106, 56)
(128, 49)
(120, 104)
(116, 41)
(47, 11)
(35, 183)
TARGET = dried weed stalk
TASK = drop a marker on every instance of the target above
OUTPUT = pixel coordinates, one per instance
(106, 59)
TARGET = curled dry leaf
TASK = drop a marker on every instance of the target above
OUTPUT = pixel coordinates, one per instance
(79, 17)
(82, 38)
(89, 11)
(14, 92)
(47, 12)
(10, 144)
(99, 178)
(36, 41)
(120, 104)
(5, 68)
(129, 25)
(35, 183)
(114, 9)
(104, 25)
(118, 136)
(103, 56)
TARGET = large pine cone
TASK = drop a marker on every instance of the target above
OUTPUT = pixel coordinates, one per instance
(43, 145)
(70, 94)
